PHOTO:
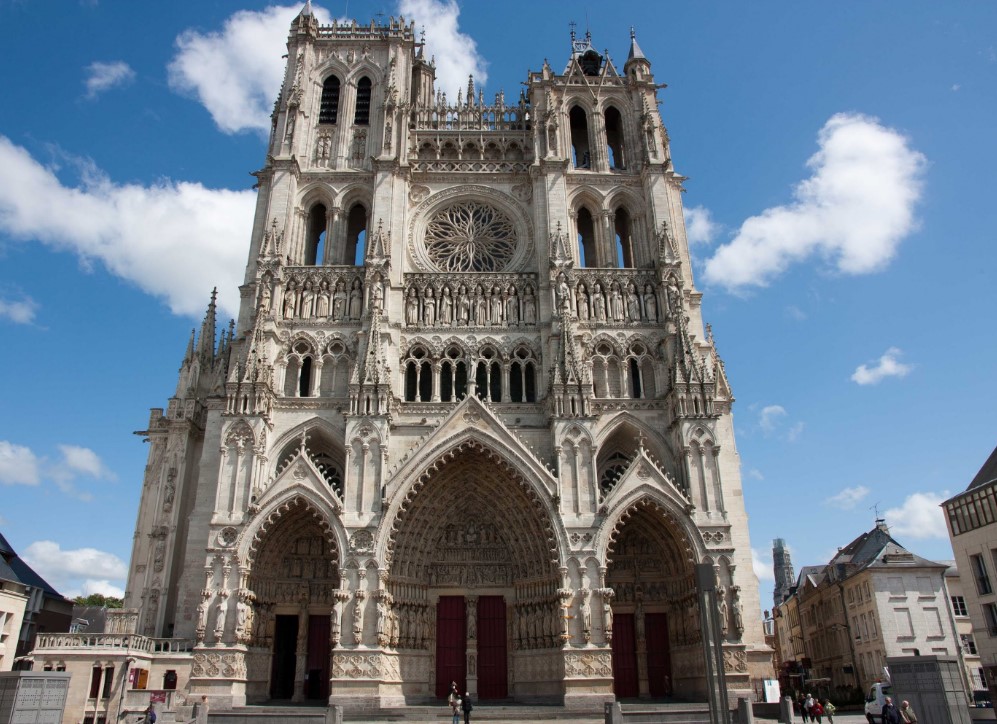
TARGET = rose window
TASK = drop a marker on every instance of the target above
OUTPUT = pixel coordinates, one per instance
(470, 237)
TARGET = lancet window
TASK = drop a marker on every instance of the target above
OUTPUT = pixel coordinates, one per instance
(298, 371)
(356, 235)
(418, 376)
(629, 375)
(523, 377)
(329, 108)
(453, 375)
(614, 138)
(335, 370)
(488, 375)
(361, 117)
(623, 227)
(315, 241)
(580, 153)
(449, 377)
(585, 226)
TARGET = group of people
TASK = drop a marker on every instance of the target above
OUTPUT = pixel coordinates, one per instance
(460, 704)
(812, 710)
(892, 715)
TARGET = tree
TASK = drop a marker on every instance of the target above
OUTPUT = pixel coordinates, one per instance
(99, 600)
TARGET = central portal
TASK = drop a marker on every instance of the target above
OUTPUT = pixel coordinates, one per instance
(471, 645)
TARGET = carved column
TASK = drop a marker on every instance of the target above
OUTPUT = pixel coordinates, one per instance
(471, 603)
(316, 387)
(301, 649)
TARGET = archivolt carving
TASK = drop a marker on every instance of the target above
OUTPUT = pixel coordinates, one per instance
(296, 507)
(669, 528)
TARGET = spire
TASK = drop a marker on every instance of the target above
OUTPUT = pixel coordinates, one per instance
(635, 52)
(306, 11)
(189, 355)
(206, 343)
(470, 89)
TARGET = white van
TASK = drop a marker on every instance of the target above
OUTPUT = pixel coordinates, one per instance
(875, 700)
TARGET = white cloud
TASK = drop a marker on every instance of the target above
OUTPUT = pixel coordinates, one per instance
(795, 313)
(887, 366)
(144, 234)
(756, 474)
(236, 72)
(104, 76)
(769, 417)
(762, 565)
(848, 498)
(956, 87)
(18, 465)
(456, 54)
(104, 587)
(69, 570)
(20, 311)
(854, 210)
(920, 516)
(700, 228)
(83, 460)
(795, 431)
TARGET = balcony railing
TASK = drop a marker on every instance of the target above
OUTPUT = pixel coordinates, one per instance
(128, 642)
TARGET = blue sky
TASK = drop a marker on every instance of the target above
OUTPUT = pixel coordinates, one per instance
(840, 162)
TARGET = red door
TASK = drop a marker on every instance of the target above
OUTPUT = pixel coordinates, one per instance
(625, 683)
(492, 663)
(659, 659)
(451, 644)
(317, 666)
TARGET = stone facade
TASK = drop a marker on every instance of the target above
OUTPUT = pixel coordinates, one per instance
(469, 424)
(972, 523)
(873, 600)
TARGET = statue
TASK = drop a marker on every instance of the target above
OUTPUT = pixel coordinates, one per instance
(463, 306)
(616, 303)
(633, 303)
(429, 308)
(582, 303)
(356, 300)
(598, 303)
(650, 304)
(322, 304)
(446, 307)
(529, 307)
(339, 302)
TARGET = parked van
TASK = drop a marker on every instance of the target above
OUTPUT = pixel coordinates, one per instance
(875, 700)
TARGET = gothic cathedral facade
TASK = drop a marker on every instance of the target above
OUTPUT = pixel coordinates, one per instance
(469, 425)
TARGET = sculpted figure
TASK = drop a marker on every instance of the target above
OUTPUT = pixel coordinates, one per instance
(633, 303)
(323, 301)
(307, 296)
(616, 303)
(356, 300)
(412, 308)
(463, 306)
(582, 303)
(496, 306)
(265, 299)
(376, 293)
(429, 307)
(446, 307)
(290, 298)
(564, 297)
(650, 304)
(598, 303)
(529, 307)
(339, 302)
(480, 309)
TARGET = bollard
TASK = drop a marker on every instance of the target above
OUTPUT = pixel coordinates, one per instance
(334, 715)
(745, 714)
(614, 712)
(786, 710)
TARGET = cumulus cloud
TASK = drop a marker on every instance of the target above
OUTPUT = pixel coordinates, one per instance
(20, 311)
(70, 570)
(144, 234)
(920, 516)
(104, 76)
(104, 587)
(236, 72)
(456, 54)
(887, 366)
(700, 228)
(756, 474)
(762, 565)
(848, 498)
(854, 210)
(18, 465)
(84, 461)
(769, 417)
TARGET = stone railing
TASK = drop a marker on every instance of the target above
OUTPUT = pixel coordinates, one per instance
(127, 642)
(471, 117)
(469, 166)
(471, 300)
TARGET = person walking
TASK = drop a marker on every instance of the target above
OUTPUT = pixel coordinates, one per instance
(467, 706)
(808, 706)
(891, 715)
(816, 711)
(907, 713)
(150, 715)
(829, 710)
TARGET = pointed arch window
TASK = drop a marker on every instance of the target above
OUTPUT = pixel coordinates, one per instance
(580, 151)
(356, 235)
(418, 376)
(361, 116)
(522, 377)
(453, 376)
(624, 239)
(316, 238)
(614, 138)
(586, 239)
(329, 109)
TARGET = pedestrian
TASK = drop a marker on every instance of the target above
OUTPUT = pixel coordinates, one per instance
(466, 705)
(907, 713)
(454, 701)
(150, 715)
(455, 706)
(829, 710)
(891, 715)
(808, 705)
(816, 711)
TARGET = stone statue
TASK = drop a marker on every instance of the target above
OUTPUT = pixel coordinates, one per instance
(339, 302)
(598, 303)
(480, 309)
(290, 298)
(529, 307)
(322, 304)
(738, 609)
(496, 306)
(512, 307)
(582, 303)
(463, 306)
(633, 303)
(412, 308)
(650, 304)
(266, 298)
(616, 303)
(429, 308)
(306, 302)
(446, 307)
(356, 300)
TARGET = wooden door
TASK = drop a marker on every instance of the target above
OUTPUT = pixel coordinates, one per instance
(659, 660)
(625, 684)
(285, 644)
(317, 666)
(451, 644)
(492, 662)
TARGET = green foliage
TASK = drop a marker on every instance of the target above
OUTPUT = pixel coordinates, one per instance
(99, 600)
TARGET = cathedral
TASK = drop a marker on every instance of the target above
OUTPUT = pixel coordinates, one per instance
(469, 425)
